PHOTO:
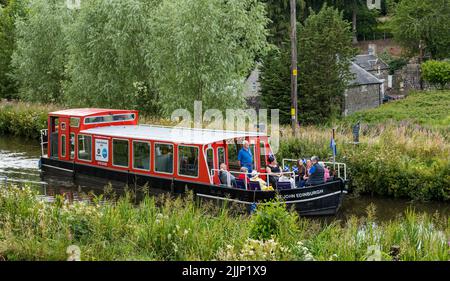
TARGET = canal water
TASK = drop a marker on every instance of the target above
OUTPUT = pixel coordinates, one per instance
(19, 160)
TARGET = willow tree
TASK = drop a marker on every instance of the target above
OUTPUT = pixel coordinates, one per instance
(39, 58)
(204, 49)
(9, 12)
(108, 44)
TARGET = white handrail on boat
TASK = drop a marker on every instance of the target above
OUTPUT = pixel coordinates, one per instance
(44, 132)
(339, 165)
(246, 175)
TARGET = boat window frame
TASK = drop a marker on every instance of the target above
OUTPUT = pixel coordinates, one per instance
(150, 155)
(261, 154)
(154, 157)
(70, 146)
(112, 152)
(198, 161)
(78, 148)
(214, 160)
(78, 122)
(113, 121)
(63, 146)
(224, 155)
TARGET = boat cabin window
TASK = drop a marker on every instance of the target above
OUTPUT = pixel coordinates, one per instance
(163, 158)
(141, 155)
(63, 145)
(263, 153)
(233, 150)
(109, 118)
(85, 147)
(53, 134)
(72, 145)
(74, 122)
(210, 159)
(120, 152)
(188, 161)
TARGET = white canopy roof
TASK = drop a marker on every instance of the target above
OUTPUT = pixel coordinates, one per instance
(170, 134)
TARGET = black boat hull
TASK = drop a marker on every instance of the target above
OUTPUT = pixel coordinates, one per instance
(318, 200)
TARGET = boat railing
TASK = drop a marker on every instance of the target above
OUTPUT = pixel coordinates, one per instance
(44, 140)
(340, 168)
(246, 174)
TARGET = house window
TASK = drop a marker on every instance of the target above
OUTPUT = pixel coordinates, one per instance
(141, 155)
(63, 145)
(85, 147)
(164, 158)
(120, 152)
(188, 161)
(364, 88)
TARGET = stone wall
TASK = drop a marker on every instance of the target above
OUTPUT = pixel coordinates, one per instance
(361, 97)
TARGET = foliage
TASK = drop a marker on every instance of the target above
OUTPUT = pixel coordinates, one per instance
(324, 47)
(436, 72)
(39, 59)
(205, 49)
(108, 44)
(403, 151)
(423, 22)
(278, 11)
(23, 119)
(162, 228)
(8, 13)
(272, 220)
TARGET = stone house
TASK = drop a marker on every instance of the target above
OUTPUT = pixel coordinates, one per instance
(252, 89)
(364, 91)
(375, 66)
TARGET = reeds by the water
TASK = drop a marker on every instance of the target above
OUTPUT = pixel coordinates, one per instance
(164, 228)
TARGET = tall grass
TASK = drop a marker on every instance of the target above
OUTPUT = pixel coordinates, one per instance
(180, 229)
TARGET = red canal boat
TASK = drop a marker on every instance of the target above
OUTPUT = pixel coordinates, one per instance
(110, 144)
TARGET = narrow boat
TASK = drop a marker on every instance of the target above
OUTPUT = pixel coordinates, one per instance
(110, 144)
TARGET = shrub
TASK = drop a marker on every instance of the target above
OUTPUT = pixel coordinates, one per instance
(436, 72)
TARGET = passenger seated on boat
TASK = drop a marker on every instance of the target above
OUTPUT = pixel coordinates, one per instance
(316, 173)
(273, 170)
(326, 172)
(224, 174)
(244, 171)
(262, 183)
(308, 167)
(300, 173)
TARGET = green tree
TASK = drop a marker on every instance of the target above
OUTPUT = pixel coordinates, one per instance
(324, 53)
(40, 56)
(423, 25)
(204, 50)
(108, 44)
(9, 11)
(436, 72)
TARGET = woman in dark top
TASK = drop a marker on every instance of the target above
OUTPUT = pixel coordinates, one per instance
(274, 171)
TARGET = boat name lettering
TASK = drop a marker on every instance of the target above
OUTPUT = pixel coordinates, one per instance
(301, 195)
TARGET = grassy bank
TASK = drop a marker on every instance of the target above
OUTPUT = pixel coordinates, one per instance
(167, 229)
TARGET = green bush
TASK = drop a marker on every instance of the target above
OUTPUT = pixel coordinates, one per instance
(436, 72)
(272, 220)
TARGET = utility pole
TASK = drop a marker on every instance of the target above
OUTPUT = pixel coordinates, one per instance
(294, 105)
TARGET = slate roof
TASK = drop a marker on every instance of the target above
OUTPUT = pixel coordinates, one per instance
(365, 62)
(362, 77)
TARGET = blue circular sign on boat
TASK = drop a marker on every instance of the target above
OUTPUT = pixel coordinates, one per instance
(104, 153)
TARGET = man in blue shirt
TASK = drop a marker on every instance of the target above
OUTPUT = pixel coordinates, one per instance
(245, 157)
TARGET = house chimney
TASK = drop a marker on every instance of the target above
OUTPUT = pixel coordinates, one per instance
(372, 49)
